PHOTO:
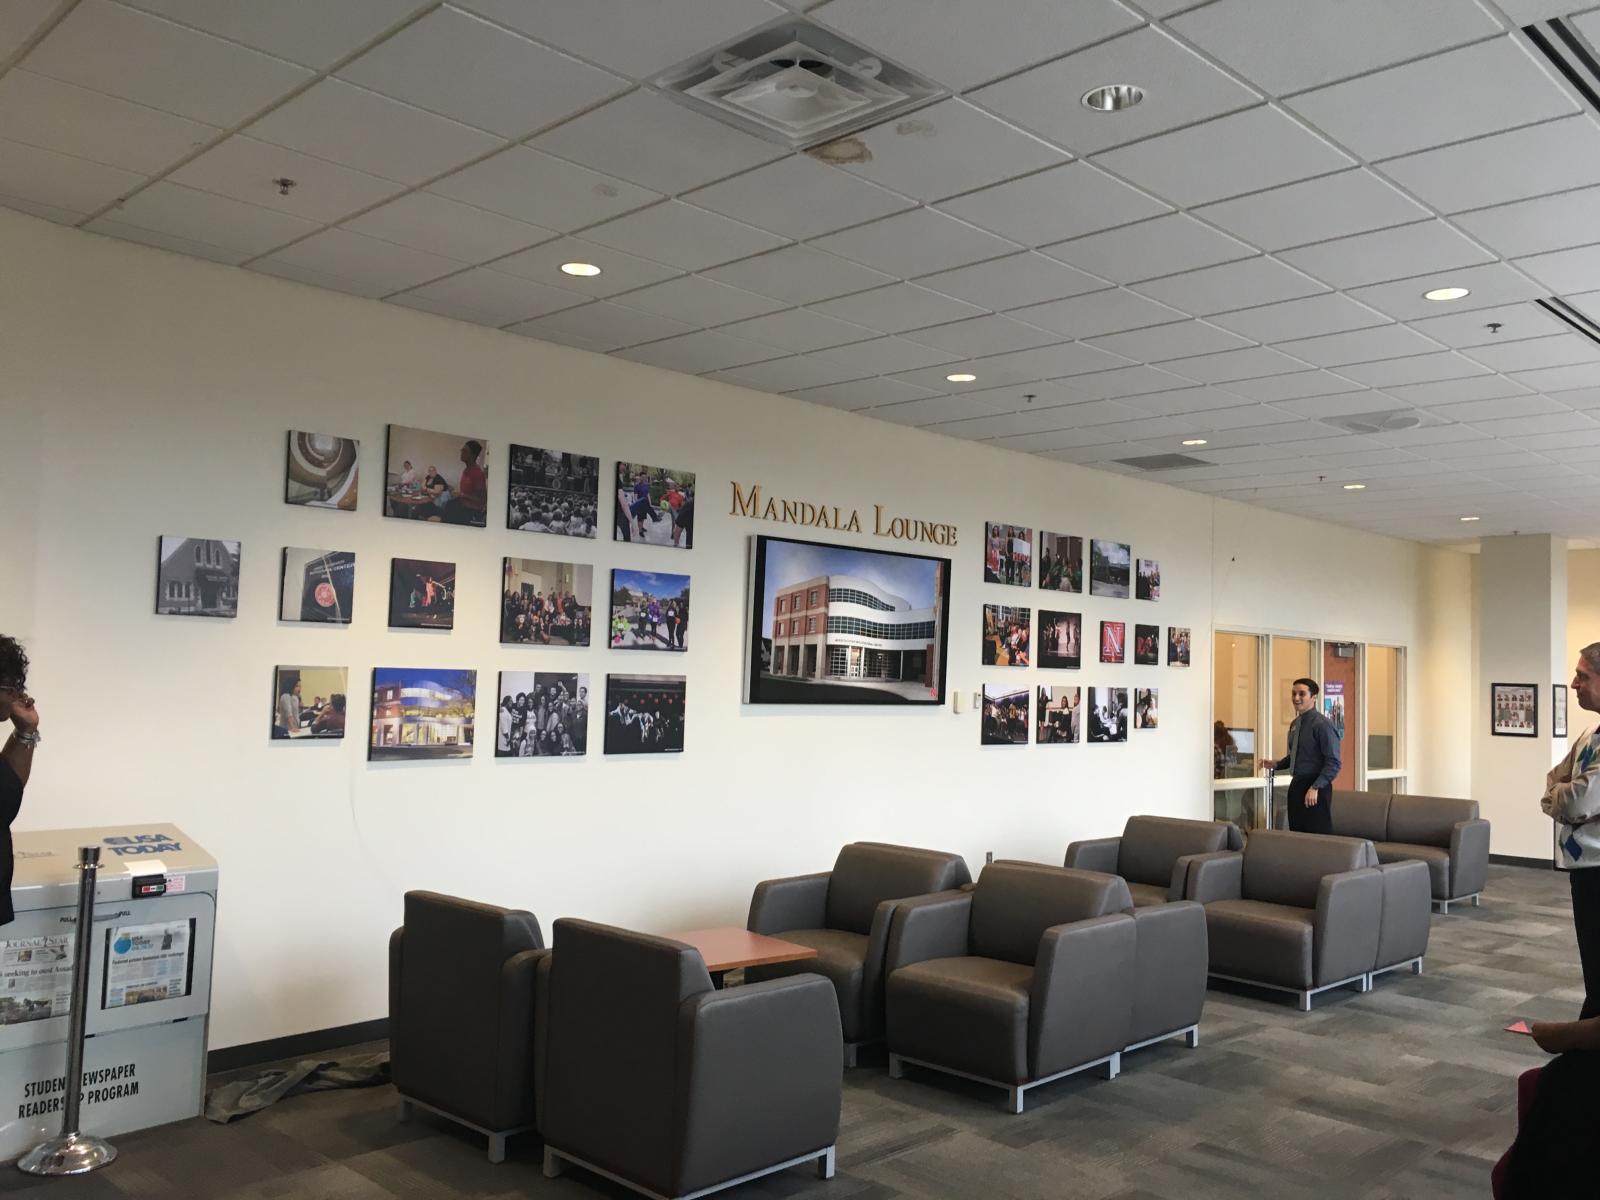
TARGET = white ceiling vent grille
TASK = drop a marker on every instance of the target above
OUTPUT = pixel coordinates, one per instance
(1379, 422)
(1163, 462)
(796, 84)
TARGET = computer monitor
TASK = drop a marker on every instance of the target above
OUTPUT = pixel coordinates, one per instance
(1244, 740)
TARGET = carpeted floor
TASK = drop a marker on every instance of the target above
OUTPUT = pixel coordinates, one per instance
(1404, 1093)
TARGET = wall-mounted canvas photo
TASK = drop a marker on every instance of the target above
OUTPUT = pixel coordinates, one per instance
(1147, 582)
(645, 714)
(840, 625)
(442, 477)
(1060, 562)
(318, 585)
(1108, 714)
(545, 603)
(323, 470)
(1005, 635)
(1109, 566)
(649, 610)
(1059, 712)
(1008, 554)
(1113, 641)
(1514, 710)
(1147, 645)
(654, 505)
(1146, 708)
(309, 702)
(421, 713)
(1005, 715)
(1060, 640)
(552, 491)
(197, 577)
(422, 594)
(542, 714)
(1177, 646)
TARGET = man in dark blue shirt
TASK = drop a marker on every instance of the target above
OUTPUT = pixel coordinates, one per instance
(1312, 762)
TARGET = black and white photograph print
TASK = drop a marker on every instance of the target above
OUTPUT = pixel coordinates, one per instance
(318, 585)
(546, 603)
(1060, 640)
(552, 491)
(1108, 714)
(1113, 641)
(1008, 554)
(197, 577)
(323, 471)
(309, 702)
(1005, 715)
(1147, 645)
(1147, 585)
(422, 594)
(1005, 635)
(649, 610)
(1059, 713)
(1177, 646)
(441, 477)
(645, 714)
(1146, 708)
(1514, 710)
(1109, 564)
(542, 714)
(421, 713)
(1060, 562)
(654, 505)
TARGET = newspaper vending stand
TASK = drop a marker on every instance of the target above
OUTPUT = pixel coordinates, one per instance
(144, 1057)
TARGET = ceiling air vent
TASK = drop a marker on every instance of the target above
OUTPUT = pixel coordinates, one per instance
(796, 84)
(1163, 462)
(1569, 52)
(1377, 422)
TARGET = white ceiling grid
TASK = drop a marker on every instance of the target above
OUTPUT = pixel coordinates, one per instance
(1240, 258)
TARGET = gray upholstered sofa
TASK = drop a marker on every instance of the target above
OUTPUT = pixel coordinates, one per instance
(844, 915)
(1447, 835)
(657, 1081)
(1038, 972)
(1305, 912)
(1153, 854)
(462, 1014)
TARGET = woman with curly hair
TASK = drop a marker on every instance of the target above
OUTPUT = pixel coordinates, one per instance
(16, 757)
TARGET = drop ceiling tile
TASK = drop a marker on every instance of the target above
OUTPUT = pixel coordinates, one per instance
(800, 331)
(602, 326)
(1545, 423)
(245, 169)
(1190, 90)
(1162, 246)
(647, 139)
(1531, 226)
(446, 308)
(317, 279)
(424, 221)
(1054, 439)
(1110, 311)
(1516, 321)
(962, 45)
(699, 301)
(217, 220)
(1560, 379)
(1422, 368)
(361, 129)
(991, 379)
(1012, 282)
(1246, 152)
(20, 20)
(863, 393)
(59, 180)
(1177, 340)
(1200, 404)
(682, 236)
(978, 336)
(896, 308)
(541, 189)
(1250, 363)
(619, 272)
(937, 408)
(1272, 389)
(1491, 285)
(1588, 303)
(1398, 253)
(1127, 381)
(915, 243)
(1581, 398)
(1310, 316)
(697, 353)
(784, 374)
(1030, 421)
(1346, 404)
(634, 37)
(150, 61)
(1360, 345)
(1052, 362)
(1560, 350)
(884, 356)
(313, 33)
(941, 150)
(1484, 389)
(803, 275)
(45, 212)
(39, 111)
(166, 241)
(1315, 210)
(1063, 202)
(1565, 272)
(1552, 157)
(1242, 284)
(367, 260)
(798, 197)
(1287, 48)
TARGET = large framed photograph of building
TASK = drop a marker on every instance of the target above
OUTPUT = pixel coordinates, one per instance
(833, 624)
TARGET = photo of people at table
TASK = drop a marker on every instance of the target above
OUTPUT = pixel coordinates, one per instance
(1147, 645)
(440, 477)
(1177, 646)
(1005, 635)
(1060, 640)
(553, 492)
(542, 714)
(1059, 710)
(1008, 554)
(1108, 714)
(654, 505)
(309, 702)
(1060, 562)
(1005, 716)
(422, 594)
(546, 603)
(645, 714)
(649, 611)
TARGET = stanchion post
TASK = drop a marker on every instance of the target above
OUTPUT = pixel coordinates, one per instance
(75, 1152)
(1272, 795)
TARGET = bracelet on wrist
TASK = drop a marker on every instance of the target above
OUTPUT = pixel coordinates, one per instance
(29, 739)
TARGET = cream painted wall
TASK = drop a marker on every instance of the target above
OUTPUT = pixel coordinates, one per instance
(164, 387)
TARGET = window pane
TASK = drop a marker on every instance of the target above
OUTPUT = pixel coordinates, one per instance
(1291, 660)
(1387, 787)
(1383, 709)
(1234, 705)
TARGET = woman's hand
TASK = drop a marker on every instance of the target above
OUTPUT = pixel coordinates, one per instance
(23, 714)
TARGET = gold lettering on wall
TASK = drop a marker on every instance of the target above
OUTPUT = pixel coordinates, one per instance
(749, 502)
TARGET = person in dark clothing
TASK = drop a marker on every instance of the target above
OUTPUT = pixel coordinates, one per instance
(1547, 1161)
(16, 756)
(1312, 762)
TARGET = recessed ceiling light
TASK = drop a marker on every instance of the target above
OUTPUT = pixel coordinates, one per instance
(1447, 293)
(962, 377)
(1195, 442)
(1472, 518)
(1113, 97)
(585, 269)
(1355, 487)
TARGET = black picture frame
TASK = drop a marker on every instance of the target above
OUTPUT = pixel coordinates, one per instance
(1558, 710)
(1514, 709)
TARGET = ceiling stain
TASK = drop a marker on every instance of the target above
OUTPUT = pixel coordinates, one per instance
(844, 151)
(916, 127)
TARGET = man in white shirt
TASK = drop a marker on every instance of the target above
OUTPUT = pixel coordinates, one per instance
(1572, 800)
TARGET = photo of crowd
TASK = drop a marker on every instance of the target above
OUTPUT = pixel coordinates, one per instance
(654, 505)
(1060, 562)
(422, 594)
(1147, 645)
(1005, 635)
(1177, 646)
(1113, 635)
(1148, 585)
(1108, 568)
(1108, 714)
(542, 714)
(553, 492)
(1005, 716)
(318, 585)
(1060, 640)
(309, 702)
(1146, 708)
(1008, 557)
(546, 603)
(436, 477)
(1059, 712)
(645, 714)
(649, 611)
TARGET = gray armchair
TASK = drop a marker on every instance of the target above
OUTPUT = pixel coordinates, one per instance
(1153, 854)
(844, 915)
(655, 1080)
(462, 1014)
(1447, 835)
